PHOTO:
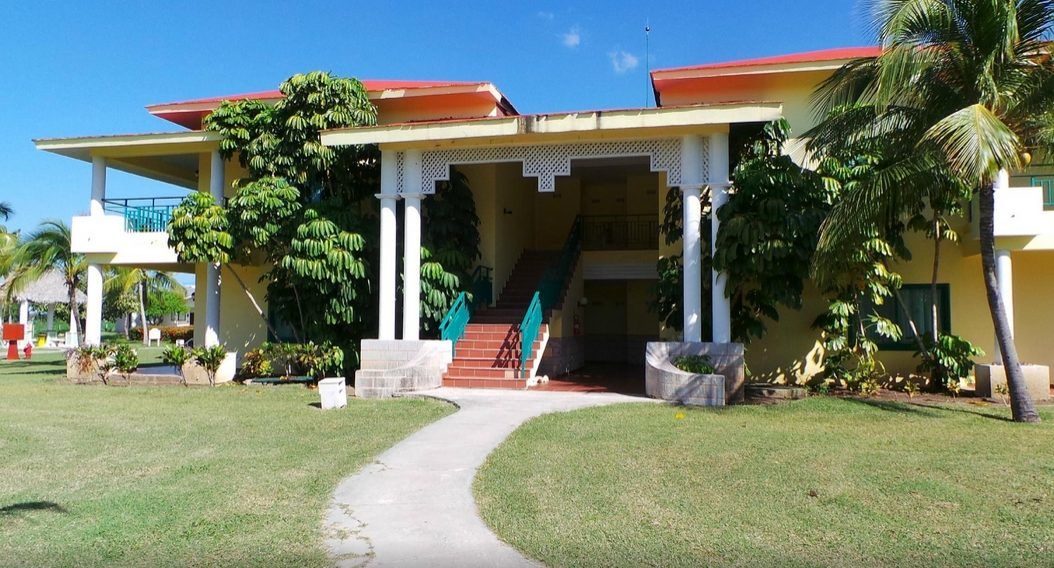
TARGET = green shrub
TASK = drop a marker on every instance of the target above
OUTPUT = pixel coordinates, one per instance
(210, 359)
(176, 355)
(255, 364)
(695, 364)
(125, 359)
(949, 361)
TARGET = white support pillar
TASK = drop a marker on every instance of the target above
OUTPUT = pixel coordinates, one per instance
(23, 318)
(412, 245)
(212, 271)
(386, 285)
(51, 318)
(93, 309)
(98, 185)
(691, 184)
(721, 308)
(1004, 275)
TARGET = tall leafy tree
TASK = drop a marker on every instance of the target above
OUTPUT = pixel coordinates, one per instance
(967, 85)
(48, 248)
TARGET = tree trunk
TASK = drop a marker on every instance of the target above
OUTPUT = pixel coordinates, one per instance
(252, 299)
(141, 292)
(74, 317)
(1021, 405)
(934, 315)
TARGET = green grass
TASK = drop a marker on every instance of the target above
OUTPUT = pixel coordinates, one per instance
(822, 481)
(158, 476)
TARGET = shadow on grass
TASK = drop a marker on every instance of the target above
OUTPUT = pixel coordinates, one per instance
(16, 508)
(919, 409)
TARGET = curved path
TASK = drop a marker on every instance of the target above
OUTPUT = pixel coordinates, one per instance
(413, 506)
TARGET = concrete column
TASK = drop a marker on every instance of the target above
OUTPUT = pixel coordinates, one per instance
(93, 309)
(721, 307)
(51, 318)
(1004, 274)
(691, 183)
(386, 284)
(212, 272)
(412, 245)
(72, 335)
(23, 318)
(98, 185)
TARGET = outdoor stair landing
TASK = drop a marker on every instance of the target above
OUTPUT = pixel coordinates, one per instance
(488, 356)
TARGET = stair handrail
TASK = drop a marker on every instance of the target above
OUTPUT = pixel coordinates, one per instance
(482, 286)
(532, 322)
(454, 323)
(548, 292)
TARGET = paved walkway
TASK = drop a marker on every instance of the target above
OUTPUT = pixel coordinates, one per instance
(414, 505)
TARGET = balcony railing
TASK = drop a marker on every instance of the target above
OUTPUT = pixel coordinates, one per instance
(143, 214)
(1047, 183)
(620, 232)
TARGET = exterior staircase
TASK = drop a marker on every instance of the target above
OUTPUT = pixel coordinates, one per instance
(488, 355)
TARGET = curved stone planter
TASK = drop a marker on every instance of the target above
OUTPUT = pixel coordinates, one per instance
(665, 381)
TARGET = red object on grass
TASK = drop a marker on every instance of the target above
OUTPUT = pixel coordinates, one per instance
(28, 350)
(13, 333)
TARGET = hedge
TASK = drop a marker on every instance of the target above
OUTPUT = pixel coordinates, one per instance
(168, 332)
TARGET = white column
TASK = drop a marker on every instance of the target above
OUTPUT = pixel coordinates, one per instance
(93, 309)
(23, 318)
(721, 308)
(212, 271)
(412, 245)
(98, 185)
(386, 284)
(51, 317)
(72, 339)
(691, 183)
(1004, 275)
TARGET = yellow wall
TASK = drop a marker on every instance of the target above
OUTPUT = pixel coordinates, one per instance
(555, 213)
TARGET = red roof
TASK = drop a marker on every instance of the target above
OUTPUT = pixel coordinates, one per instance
(804, 57)
(189, 113)
(372, 85)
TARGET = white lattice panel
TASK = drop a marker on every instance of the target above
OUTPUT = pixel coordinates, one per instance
(399, 172)
(547, 161)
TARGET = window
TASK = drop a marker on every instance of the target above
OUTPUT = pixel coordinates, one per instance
(917, 299)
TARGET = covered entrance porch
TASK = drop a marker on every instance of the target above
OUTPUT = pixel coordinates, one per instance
(563, 200)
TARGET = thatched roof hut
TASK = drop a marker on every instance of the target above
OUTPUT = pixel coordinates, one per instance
(48, 289)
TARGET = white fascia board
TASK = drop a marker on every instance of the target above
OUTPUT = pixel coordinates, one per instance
(599, 122)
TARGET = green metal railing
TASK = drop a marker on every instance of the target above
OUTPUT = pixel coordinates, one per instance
(548, 293)
(482, 286)
(144, 214)
(1047, 183)
(532, 322)
(452, 328)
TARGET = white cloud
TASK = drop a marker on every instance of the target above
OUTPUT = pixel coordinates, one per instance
(546, 15)
(573, 37)
(623, 61)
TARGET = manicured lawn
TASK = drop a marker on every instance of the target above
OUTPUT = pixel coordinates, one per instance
(822, 481)
(170, 476)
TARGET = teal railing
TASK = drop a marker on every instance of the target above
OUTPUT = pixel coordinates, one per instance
(144, 214)
(548, 293)
(532, 322)
(482, 286)
(1047, 183)
(452, 328)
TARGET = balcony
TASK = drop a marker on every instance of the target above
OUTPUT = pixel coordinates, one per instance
(620, 232)
(131, 231)
(1046, 183)
(1022, 212)
(143, 214)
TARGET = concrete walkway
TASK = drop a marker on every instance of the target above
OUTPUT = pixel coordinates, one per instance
(414, 505)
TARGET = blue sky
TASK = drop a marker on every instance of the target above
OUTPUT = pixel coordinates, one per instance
(82, 68)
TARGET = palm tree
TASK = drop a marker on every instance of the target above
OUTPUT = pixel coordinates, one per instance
(5, 210)
(139, 281)
(48, 248)
(966, 85)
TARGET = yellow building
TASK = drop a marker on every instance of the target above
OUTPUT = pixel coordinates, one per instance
(569, 205)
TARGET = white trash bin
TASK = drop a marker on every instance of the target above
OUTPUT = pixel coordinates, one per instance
(334, 393)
